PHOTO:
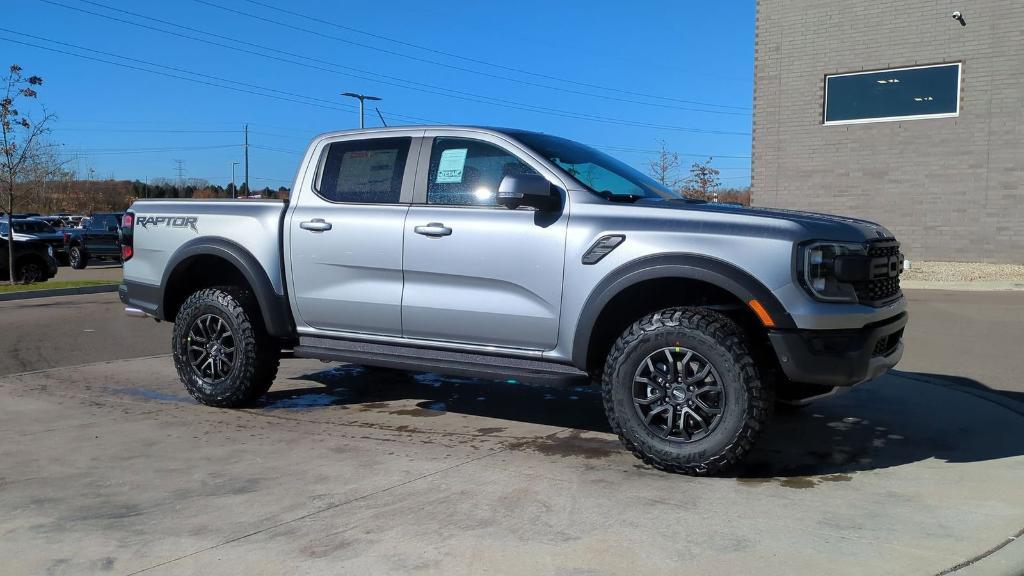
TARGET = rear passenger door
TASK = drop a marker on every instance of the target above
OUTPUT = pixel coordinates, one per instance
(476, 272)
(344, 235)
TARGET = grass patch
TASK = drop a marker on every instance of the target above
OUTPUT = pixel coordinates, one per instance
(6, 288)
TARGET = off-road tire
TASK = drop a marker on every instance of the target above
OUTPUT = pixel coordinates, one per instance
(78, 258)
(748, 405)
(257, 355)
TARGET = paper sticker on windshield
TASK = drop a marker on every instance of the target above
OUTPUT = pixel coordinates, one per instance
(449, 170)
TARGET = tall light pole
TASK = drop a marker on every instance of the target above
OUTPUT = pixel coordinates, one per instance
(234, 191)
(361, 98)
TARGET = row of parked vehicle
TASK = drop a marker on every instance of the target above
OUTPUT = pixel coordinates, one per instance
(67, 240)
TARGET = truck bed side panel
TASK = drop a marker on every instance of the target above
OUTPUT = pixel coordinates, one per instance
(163, 227)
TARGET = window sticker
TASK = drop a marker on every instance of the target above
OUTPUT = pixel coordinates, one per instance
(367, 171)
(449, 169)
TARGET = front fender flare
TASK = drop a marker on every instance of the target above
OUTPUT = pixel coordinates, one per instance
(714, 271)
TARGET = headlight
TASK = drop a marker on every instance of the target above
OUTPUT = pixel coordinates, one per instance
(818, 270)
(49, 250)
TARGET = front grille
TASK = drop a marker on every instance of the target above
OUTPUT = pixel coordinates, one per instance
(884, 286)
(888, 344)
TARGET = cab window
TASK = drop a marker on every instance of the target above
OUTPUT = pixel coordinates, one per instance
(364, 171)
(467, 172)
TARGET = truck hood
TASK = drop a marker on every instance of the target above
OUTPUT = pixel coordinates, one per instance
(817, 225)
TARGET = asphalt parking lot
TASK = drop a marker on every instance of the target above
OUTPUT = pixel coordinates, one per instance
(110, 467)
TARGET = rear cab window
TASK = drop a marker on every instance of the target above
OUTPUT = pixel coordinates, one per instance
(364, 171)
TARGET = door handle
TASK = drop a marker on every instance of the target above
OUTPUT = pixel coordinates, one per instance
(315, 225)
(435, 229)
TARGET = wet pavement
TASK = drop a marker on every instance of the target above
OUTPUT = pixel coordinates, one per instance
(113, 468)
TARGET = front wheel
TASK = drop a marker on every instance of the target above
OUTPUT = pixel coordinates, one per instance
(78, 258)
(682, 392)
(222, 353)
(29, 272)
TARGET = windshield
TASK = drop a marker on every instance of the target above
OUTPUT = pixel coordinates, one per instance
(595, 170)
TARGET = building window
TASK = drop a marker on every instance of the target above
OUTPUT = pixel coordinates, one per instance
(897, 94)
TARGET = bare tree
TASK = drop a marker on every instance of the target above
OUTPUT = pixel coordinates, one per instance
(703, 182)
(665, 168)
(20, 146)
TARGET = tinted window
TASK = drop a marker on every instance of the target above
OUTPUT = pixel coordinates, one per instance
(467, 172)
(103, 222)
(368, 171)
(31, 227)
(892, 94)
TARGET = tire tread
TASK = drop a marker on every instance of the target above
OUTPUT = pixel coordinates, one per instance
(732, 338)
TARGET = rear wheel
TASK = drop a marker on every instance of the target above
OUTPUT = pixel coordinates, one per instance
(78, 258)
(682, 392)
(222, 352)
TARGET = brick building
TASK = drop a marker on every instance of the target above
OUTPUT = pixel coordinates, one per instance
(896, 112)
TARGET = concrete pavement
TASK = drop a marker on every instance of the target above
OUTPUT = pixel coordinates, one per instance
(69, 330)
(112, 467)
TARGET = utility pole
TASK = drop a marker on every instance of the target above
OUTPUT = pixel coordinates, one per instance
(247, 159)
(361, 98)
(234, 191)
(181, 170)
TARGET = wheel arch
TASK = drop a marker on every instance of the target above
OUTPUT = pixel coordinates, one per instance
(205, 262)
(711, 281)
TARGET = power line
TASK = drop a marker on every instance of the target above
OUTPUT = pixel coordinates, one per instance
(391, 80)
(460, 68)
(119, 151)
(123, 65)
(231, 84)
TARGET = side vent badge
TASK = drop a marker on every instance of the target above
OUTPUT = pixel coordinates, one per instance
(601, 248)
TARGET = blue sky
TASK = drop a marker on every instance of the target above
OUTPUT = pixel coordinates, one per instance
(613, 74)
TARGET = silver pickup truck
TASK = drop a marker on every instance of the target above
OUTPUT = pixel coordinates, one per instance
(510, 254)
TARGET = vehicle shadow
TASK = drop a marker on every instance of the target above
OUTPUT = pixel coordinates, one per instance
(896, 420)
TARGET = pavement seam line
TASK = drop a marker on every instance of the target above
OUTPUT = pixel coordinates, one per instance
(983, 555)
(75, 366)
(333, 507)
(941, 382)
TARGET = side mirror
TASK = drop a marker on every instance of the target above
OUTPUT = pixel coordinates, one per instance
(531, 190)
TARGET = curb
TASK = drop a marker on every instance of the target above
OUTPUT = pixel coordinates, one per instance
(28, 294)
(972, 286)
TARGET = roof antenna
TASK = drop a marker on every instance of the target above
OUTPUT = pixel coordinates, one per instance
(381, 116)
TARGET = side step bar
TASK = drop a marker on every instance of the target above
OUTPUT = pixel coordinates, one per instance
(440, 361)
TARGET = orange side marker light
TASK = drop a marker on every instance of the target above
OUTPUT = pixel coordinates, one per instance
(761, 313)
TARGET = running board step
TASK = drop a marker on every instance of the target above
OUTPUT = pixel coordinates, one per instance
(440, 361)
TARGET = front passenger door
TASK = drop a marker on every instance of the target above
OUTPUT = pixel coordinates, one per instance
(476, 272)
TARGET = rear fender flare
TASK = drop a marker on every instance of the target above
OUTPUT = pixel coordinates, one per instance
(273, 306)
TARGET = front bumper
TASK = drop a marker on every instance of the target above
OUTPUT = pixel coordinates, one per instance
(840, 357)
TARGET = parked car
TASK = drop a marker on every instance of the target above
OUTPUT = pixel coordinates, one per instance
(452, 249)
(33, 261)
(98, 237)
(57, 222)
(40, 230)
